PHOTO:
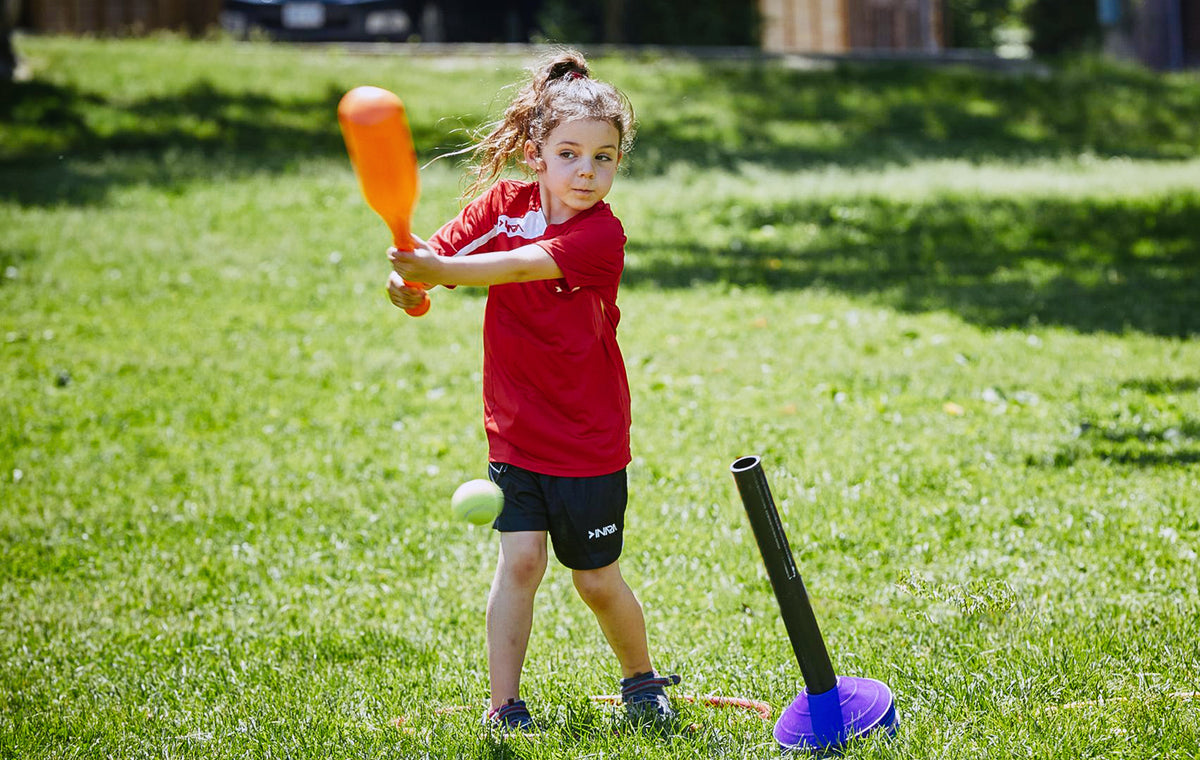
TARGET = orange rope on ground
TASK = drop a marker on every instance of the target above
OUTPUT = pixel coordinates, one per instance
(452, 709)
(762, 708)
(741, 703)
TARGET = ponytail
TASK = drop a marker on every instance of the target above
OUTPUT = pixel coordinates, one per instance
(560, 89)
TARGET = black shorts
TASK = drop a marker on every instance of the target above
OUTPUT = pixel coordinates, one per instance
(585, 517)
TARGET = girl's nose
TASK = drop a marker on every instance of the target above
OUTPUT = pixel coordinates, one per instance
(586, 169)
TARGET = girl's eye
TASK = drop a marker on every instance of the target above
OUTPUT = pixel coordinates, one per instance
(604, 157)
(566, 154)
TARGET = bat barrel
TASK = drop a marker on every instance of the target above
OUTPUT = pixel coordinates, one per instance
(798, 618)
(378, 139)
(379, 143)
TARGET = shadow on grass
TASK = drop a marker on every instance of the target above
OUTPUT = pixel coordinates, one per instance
(1163, 386)
(1089, 265)
(871, 115)
(718, 116)
(73, 147)
(1144, 431)
(1144, 446)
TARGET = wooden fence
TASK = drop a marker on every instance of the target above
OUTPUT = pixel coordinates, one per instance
(841, 26)
(894, 25)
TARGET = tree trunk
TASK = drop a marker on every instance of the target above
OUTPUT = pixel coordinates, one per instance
(8, 56)
(614, 21)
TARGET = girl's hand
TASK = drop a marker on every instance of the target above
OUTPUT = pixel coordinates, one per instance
(403, 296)
(418, 265)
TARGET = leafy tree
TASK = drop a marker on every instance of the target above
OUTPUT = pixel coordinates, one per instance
(652, 22)
(1062, 26)
(973, 23)
(692, 22)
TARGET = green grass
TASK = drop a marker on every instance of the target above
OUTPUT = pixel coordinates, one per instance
(954, 311)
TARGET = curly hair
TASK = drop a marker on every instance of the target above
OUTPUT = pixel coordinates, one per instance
(560, 90)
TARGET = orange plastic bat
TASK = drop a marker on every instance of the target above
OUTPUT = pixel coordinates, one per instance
(381, 150)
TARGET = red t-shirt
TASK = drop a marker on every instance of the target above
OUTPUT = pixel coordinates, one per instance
(555, 393)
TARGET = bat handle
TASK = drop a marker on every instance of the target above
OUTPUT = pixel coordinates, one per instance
(420, 309)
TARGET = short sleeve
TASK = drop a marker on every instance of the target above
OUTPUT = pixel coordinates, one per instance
(591, 252)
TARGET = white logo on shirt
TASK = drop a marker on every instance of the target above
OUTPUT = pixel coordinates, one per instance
(530, 227)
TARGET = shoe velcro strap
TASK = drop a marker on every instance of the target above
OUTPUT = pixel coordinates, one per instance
(510, 708)
(647, 682)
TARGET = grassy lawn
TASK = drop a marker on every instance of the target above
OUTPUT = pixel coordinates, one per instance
(955, 312)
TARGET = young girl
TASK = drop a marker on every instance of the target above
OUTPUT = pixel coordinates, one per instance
(556, 398)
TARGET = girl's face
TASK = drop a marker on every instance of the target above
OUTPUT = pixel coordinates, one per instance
(576, 166)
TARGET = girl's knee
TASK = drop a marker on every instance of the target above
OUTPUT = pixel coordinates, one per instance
(524, 568)
(598, 588)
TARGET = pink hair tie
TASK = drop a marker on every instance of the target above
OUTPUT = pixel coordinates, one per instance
(571, 75)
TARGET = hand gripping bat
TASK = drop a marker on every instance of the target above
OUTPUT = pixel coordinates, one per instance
(381, 151)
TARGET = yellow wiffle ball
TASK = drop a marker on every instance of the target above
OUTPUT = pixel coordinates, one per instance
(477, 501)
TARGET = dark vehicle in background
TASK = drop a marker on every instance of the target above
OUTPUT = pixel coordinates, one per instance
(322, 20)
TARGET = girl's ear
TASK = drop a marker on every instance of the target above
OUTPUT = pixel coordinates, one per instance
(533, 158)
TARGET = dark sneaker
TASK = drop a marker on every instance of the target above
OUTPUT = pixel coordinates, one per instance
(510, 717)
(645, 696)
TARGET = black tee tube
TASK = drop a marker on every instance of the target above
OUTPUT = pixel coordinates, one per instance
(794, 606)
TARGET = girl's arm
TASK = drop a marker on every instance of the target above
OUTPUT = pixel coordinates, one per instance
(524, 264)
